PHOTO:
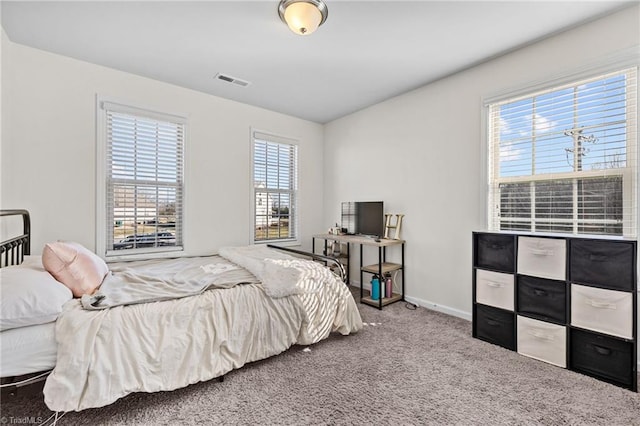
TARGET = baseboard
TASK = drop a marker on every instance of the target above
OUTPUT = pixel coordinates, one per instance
(439, 308)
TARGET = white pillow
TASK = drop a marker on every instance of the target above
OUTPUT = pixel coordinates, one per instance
(29, 295)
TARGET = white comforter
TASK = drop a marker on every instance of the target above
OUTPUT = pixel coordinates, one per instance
(104, 355)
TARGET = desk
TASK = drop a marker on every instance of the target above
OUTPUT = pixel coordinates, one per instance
(379, 268)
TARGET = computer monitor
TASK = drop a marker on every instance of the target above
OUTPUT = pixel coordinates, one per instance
(363, 218)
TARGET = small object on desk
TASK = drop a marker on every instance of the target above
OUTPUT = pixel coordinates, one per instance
(388, 285)
(388, 226)
(375, 287)
(335, 249)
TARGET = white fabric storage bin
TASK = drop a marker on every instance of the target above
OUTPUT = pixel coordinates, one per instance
(606, 311)
(494, 289)
(542, 257)
(543, 341)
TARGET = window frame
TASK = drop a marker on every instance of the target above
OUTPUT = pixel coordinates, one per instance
(620, 63)
(103, 104)
(294, 220)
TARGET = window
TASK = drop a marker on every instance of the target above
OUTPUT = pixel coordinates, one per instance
(564, 159)
(275, 187)
(143, 180)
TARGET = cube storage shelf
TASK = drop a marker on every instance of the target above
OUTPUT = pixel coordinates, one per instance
(566, 300)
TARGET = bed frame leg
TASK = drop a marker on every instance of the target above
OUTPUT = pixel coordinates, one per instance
(221, 378)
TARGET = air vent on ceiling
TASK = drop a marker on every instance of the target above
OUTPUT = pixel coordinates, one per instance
(233, 80)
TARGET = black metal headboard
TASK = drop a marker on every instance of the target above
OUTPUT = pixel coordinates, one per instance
(13, 251)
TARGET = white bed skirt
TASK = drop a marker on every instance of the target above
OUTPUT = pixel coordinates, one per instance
(27, 350)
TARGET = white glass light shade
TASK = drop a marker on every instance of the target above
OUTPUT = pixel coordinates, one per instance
(303, 18)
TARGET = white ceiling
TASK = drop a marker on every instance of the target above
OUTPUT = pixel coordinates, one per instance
(366, 52)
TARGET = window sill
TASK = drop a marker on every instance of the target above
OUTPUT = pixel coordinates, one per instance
(143, 254)
(285, 243)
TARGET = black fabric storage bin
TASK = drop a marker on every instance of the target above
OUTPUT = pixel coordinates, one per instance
(604, 263)
(493, 251)
(494, 326)
(603, 357)
(542, 299)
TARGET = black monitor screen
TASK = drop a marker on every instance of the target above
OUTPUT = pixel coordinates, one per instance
(370, 218)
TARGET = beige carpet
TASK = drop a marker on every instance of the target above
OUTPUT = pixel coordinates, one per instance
(407, 367)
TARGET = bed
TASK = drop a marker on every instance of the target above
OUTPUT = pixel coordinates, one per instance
(98, 354)
(27, 351)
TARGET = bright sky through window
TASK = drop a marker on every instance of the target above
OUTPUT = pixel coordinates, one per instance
(537, 134)
(564, 160)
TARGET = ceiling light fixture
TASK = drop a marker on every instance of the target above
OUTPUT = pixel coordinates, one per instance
(303, 16)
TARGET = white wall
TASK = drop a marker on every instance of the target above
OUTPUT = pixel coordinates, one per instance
(49, 150)
(423, 153)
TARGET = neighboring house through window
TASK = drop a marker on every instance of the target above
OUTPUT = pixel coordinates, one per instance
(564, 159)
(142, 181)
(275, 187)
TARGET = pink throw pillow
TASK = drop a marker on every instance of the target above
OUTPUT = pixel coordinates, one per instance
(74, 266)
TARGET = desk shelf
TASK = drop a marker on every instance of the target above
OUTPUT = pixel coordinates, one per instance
(379, 268)
(386, 267)
(385, 300)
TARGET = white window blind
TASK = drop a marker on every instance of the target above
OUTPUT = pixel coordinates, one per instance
(144, 181)
(565, 159)
(275, 183)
